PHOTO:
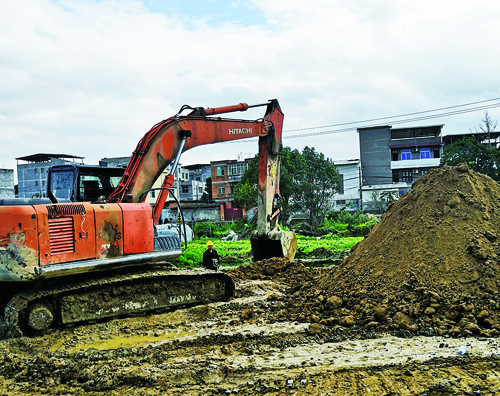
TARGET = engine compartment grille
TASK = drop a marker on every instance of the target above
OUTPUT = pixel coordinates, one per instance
(62, 235)
(65, 210)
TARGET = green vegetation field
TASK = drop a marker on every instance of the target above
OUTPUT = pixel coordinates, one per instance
(239, 252)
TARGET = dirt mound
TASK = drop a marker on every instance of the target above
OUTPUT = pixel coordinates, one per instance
(430, 266)
(278, 269)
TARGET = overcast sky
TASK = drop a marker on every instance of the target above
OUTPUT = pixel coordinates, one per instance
(89, 78)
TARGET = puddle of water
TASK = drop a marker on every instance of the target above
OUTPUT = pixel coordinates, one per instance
(128, 341)
(56, 346)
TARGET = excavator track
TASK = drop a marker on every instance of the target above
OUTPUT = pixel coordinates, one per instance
(134, 293)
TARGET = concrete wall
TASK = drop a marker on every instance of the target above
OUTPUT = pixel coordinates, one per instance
(115, 161)
(193, 214)
(7, 183)
(350, 198)
(375, 155)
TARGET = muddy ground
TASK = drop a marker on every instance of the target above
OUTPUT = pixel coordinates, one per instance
(389, 320)
(238, 347)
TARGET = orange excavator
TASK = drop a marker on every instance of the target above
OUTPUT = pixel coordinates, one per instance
(63, 263)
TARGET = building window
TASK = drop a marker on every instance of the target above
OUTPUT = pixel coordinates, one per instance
(425, 153)
(152, 194)
(237, 169)
(220, 171)
(405, 155)
(340, 202)
(200, 190)
(395, 176)
(198, 178)
(184, 189)
(341, 184)
(36, 184)
(436, 152)
(221, 190)
(394, 155)
(407, 176)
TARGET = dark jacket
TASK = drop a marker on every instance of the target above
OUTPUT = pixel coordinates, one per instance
(211, 259)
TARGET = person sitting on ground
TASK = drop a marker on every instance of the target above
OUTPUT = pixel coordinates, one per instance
(211, 257)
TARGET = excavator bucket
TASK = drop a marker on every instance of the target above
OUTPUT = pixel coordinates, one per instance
(277, 243)
(269, 240)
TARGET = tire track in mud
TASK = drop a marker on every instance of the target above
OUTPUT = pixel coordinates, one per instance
(213, 350)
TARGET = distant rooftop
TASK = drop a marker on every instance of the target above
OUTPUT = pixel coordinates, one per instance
(346, 162)
(480, 136)
(42, 157)
(409, 132)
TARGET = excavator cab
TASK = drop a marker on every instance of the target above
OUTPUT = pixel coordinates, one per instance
(82, 183)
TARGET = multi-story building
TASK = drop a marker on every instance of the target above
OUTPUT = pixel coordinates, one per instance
(225, 175)
(7, 183)
(393, 158)
(349, 197)
(32, 175)
(181, 175)
(193, 189)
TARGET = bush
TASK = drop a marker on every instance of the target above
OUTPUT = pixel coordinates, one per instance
(344, 224)
(201, 229)
(364, 229)
(344, 217)
(193, 255)
(220, 229)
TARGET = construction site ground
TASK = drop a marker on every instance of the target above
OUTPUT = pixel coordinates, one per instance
(237, 347)
(413, 310)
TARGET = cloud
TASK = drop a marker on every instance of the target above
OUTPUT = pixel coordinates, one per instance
(89, 78)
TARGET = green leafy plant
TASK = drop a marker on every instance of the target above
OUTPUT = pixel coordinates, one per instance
(344, 224)
(193, 255)
(331, 242)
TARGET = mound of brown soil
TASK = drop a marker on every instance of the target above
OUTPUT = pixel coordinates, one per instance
(430, 266)
(278, 269)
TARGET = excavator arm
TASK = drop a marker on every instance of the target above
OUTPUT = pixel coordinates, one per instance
(165, 141)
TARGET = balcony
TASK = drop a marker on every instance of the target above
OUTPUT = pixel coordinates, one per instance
(416, 163)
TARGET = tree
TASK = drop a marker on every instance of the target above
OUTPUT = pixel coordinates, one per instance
(479, 157)
(207, 193)
(245, 192)
(292, 173)
(389, 196)
(488, 127)
(307, 182)
(321, 180)
(378, 204)
(292, 166)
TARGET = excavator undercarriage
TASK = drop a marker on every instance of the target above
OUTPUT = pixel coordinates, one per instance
(149, 289)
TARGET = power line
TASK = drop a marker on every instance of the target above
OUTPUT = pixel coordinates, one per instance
(428, 117)
(404, 120)
(396, 116)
